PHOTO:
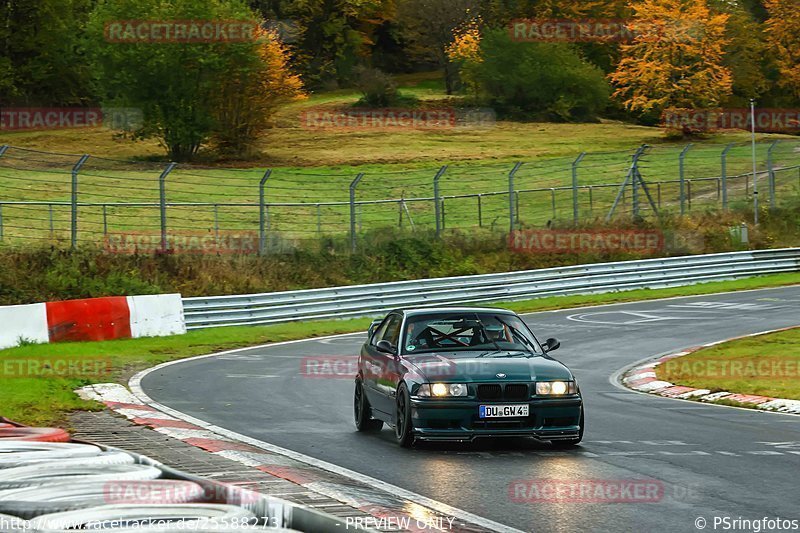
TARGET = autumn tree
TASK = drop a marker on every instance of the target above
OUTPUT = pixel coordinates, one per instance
(676, 57)
(335, 36)
(248, 97)
(428, 26)
(746, 54)
(783, 33)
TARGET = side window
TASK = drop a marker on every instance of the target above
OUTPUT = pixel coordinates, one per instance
(390, 330)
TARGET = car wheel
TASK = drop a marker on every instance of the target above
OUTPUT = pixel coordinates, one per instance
(363, 412)
(403, 429)
(568, 443)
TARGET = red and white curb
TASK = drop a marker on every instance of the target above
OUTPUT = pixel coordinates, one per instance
(643, 378)
(391, 507)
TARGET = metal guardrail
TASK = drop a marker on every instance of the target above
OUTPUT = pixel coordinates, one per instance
(366, 300)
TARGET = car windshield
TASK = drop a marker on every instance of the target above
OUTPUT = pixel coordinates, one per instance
(468, 332)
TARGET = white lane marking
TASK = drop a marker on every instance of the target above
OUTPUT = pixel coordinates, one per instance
(136, 387)
(724, 306)
(252, 376)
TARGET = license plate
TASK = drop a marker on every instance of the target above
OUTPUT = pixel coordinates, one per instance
(503, 411)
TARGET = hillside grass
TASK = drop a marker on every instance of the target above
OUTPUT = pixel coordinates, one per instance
(315, 168)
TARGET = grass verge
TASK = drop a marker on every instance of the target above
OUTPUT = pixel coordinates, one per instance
(765, 365)
(45, 400)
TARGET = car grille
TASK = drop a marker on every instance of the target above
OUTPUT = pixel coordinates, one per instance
(510, 391)
(490, 392)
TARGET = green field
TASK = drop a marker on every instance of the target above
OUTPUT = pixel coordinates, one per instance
(704, 369)
(312, 171)
(47, 400)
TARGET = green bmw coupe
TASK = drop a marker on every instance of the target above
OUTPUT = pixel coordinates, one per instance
(457, 374)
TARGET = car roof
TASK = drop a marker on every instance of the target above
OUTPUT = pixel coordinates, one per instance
(444, 310)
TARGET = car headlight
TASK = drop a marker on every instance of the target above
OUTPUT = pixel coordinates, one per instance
(442, 390)
(555, 388)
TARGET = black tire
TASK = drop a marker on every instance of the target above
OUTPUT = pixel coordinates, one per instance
(569, 443)
(403, 428)
(362, 411)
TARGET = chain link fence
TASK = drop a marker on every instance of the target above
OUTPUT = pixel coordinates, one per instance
(71, 200)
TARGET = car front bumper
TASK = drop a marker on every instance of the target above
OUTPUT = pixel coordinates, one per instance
(458, 420)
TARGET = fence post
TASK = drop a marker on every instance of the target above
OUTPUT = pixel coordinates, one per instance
(105, 221)
(771, 174)
(575, 187)
(682, 177)
(262, 213)
(353, 185)
(725, 176)
(437, 208)
(162, 201)
(480, 210)
(2, 151)
(74, 215)
(216, 226)
(52, 228)
(511, 203)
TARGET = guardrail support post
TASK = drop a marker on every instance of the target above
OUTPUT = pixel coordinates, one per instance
(162, 202)
(725, 176)
(575, 187)
(437, 201)
(262, 213)
(771, 174)
(74, 196)
(682, 161)
(353, 236)
(511, 200)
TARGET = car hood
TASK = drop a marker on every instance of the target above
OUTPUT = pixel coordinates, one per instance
(440, 367)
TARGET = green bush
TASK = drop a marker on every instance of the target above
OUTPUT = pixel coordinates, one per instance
(544, 81)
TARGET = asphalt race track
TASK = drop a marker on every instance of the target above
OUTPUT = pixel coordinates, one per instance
(709, 460)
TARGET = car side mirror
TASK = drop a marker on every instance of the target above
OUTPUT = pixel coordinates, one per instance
(551, 344)
(386, 347)
(371, 330)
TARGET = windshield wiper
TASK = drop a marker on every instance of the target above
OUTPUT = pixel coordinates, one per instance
(508, 353)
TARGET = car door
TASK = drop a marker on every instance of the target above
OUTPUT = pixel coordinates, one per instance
(379, 367)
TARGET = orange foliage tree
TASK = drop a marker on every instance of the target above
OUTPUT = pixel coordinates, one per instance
(251, 94)
(783, 34)
(675, 59)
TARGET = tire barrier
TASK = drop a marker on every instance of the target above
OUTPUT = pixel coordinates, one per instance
(28, 503)
(35, 434)
(46, 473)
(15, 453)
(50, 487)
